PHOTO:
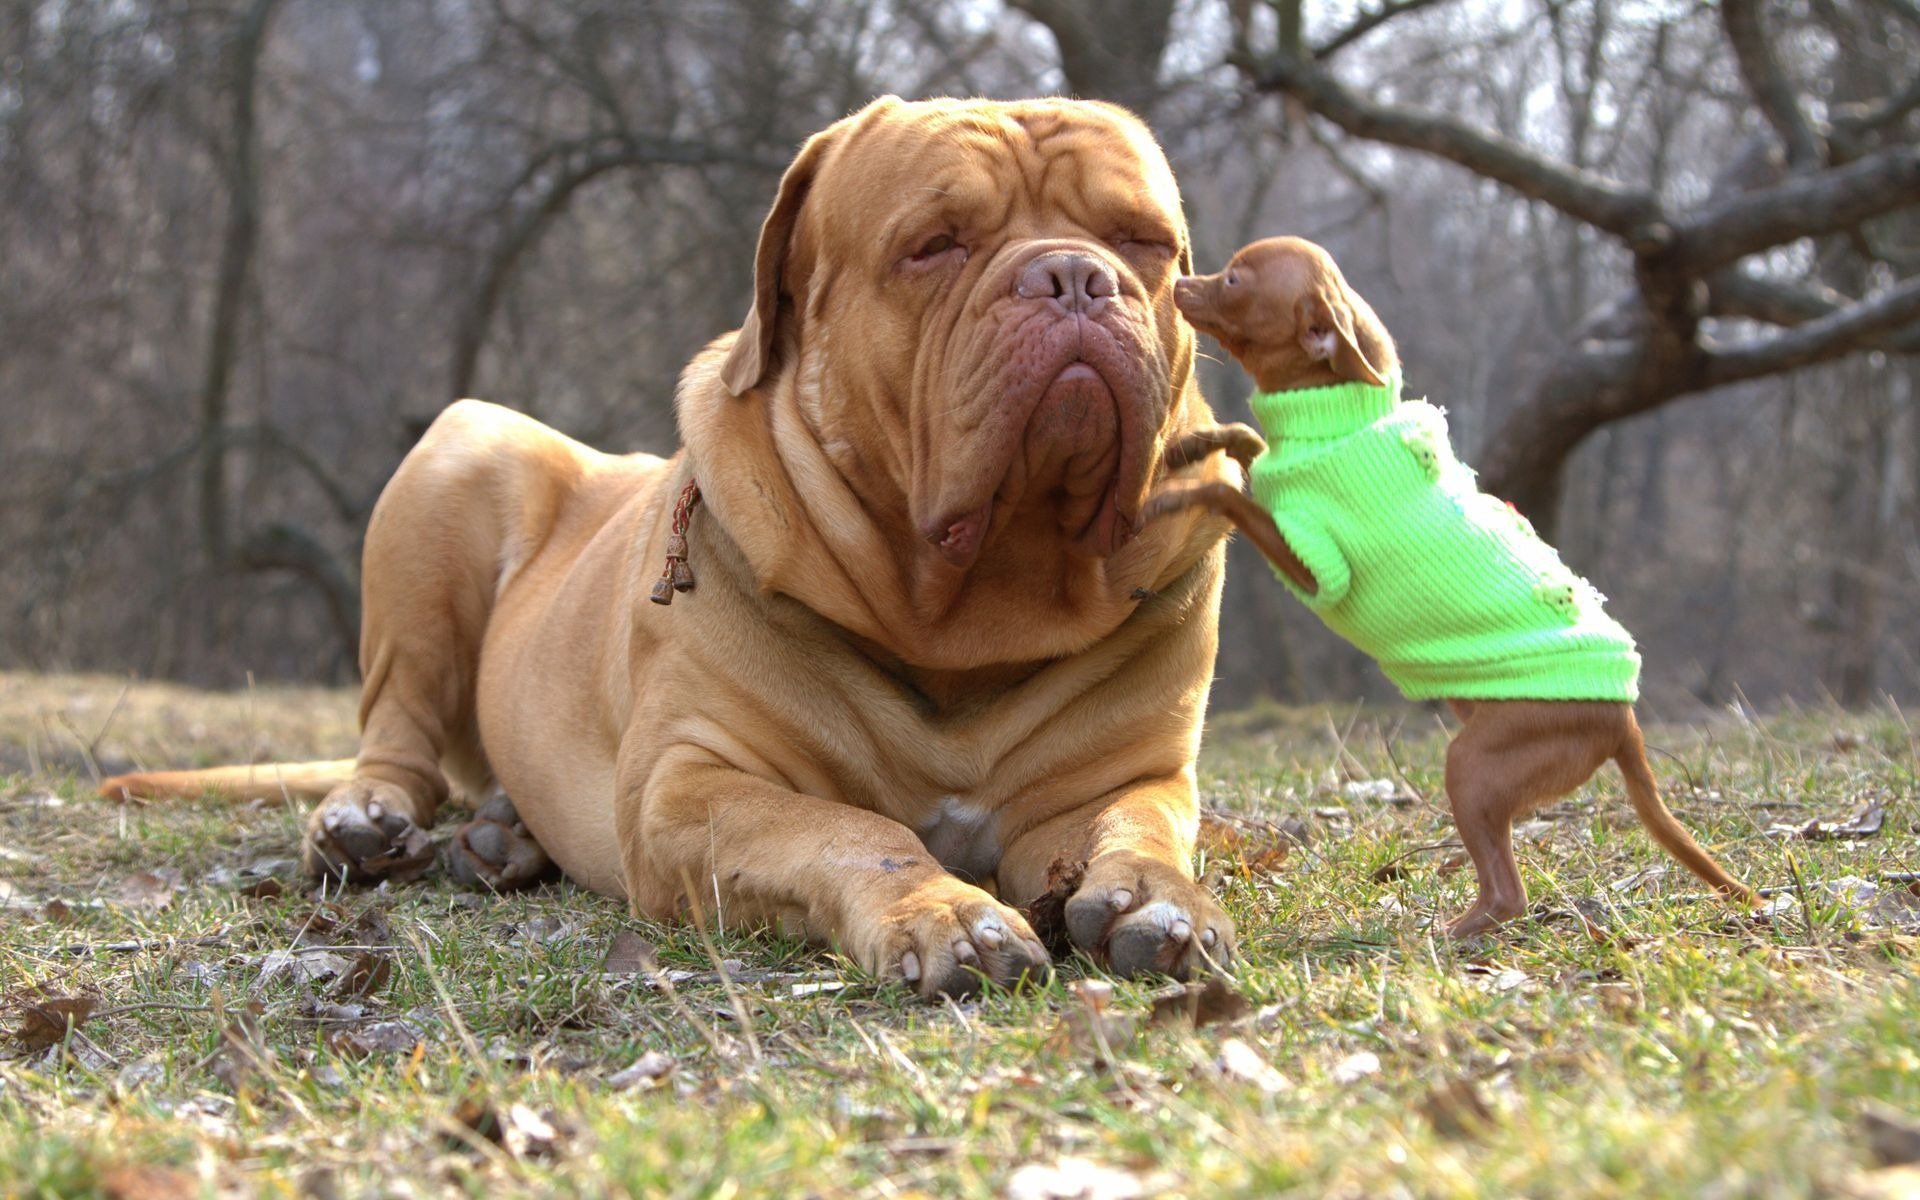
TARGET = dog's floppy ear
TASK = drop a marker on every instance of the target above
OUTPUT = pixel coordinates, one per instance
(752, 354)
(1325, 322)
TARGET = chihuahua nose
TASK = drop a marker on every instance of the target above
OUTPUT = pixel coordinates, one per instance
(1078, 282)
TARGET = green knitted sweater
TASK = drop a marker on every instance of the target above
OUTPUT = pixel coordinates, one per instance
(1448, 588)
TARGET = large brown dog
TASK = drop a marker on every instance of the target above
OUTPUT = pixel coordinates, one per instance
(925, 652)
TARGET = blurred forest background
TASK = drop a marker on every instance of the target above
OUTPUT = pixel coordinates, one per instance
(1659, 259)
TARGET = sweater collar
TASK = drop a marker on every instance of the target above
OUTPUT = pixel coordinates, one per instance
(1325, 412)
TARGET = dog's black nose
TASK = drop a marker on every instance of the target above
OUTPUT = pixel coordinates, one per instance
(1079, 282)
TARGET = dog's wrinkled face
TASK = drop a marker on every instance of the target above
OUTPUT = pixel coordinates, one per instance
(997, 280)
(1282, 308)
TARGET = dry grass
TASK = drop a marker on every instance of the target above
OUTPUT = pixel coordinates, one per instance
(1660, 1046)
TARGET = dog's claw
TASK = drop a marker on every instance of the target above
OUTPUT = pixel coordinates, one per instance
(1138, 916)
(949, 938)
(357, 836)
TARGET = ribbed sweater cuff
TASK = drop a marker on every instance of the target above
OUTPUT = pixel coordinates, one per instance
(1325, 412)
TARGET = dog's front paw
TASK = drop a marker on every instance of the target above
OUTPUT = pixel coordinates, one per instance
(364, 832)
(1136, 915)
(945, 937)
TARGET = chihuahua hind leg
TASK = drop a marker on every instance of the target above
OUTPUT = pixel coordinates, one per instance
(1510, 758)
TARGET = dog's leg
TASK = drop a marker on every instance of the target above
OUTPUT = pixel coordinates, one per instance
(755, 850)
(1240, 442)
(435, 552)
(1507, 760)
(1136, 909)
(1247, 516)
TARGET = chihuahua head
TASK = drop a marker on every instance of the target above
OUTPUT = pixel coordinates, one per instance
(1282, 308)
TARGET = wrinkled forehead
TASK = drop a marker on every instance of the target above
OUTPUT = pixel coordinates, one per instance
(987, 161)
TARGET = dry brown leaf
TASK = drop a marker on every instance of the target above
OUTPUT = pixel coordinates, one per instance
(367, 974)
(264, 889)
(630, 954)
(1046, 914)
(1893, 1137)
(381, 1037)
(1242, 1063)
(45, 1020)
(151, 890)
(1864, 822)
(1092, 1029)
(147, 1182)
(1260, 845)
(1200, 1004)
(242, 1052)
(1457, 1110)
(647, 1071)
(519, 1131)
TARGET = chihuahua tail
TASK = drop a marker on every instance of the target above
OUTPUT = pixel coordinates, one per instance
(1653, 813)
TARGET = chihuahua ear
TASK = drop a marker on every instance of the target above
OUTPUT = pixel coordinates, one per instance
(1325, 322)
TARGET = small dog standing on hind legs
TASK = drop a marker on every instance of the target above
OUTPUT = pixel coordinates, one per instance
(1372, 522)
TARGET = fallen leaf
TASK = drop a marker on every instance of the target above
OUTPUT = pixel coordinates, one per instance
(1046, 914)
(46, 1020)
(1864, 822)
(57, 911)
(1242, 1063)
(299, 967)
(241, 1052)
(1457, 1110)
(1380, 791)
(520, 1131)
(1200, 1004)
(264, 889)
(147, 1183)
(367, 974)
(630, 954)
(1893, 1137)
(151, 890)
(1261, 845)
(1073, 1178)
(540, 931)
(381, 1037)
(1897, 908)
(1091, 1028)
(647, 1070)
(1355, 1067)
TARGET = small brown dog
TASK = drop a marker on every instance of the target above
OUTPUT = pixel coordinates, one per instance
(1370, 519)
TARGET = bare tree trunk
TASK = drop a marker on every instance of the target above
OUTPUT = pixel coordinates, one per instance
(249, 35)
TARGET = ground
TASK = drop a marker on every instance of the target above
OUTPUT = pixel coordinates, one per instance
(1632, 1038)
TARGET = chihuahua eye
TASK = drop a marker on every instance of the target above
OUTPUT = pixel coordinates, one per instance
(1233, 279)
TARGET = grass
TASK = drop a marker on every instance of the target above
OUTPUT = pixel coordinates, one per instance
(1669, 1048)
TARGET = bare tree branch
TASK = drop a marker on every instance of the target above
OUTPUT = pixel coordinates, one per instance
(283, 547)
(1592, 198)
(1833, 336)
(595, 158)
(1368, 21)
(1766, 79)
(1735, 293)
(1812, 205)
